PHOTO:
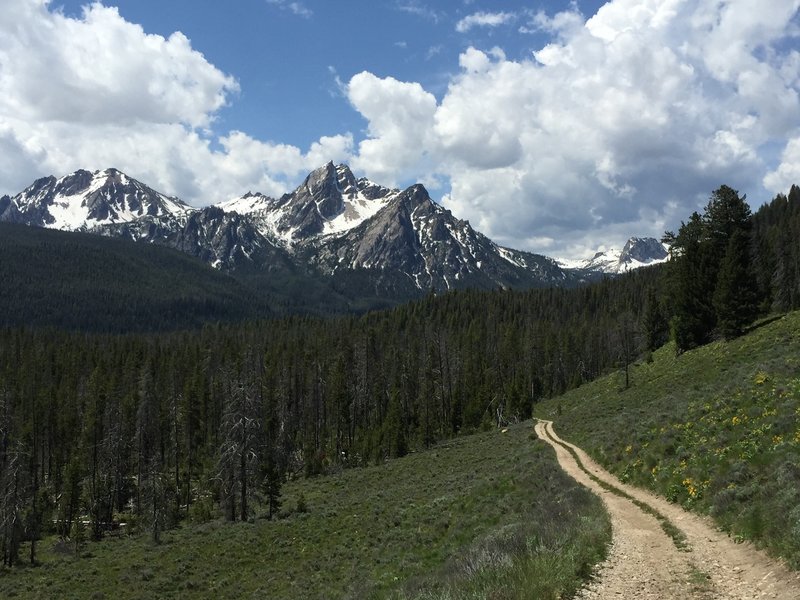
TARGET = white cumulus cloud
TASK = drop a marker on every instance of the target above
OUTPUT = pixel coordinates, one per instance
(102, 69)
(622, 125)
(484, 19)
(787, 173)
(98, 91)
(401, 119)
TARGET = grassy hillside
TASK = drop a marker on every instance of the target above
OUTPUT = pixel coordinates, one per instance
(716, 429)
(88, 282)
(488, 515)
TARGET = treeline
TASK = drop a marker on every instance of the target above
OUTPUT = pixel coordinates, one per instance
(151, 429)
(728, 266)
(775, 247)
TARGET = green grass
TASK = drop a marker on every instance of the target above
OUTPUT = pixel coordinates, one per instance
(715, 429)
(489, 515)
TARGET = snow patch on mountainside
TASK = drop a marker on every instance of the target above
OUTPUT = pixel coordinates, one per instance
(510, 256)
(70, 211)
(247, 204)
(357, 209)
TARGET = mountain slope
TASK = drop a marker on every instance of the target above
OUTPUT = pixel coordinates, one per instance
(420, 243)
(714, 429)
(87, 282)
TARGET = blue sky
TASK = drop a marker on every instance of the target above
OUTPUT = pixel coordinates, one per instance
(553, 126)
(287, 56)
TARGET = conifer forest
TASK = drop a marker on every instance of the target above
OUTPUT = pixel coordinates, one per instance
(149, 429)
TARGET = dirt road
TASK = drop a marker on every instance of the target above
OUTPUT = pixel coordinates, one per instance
(644, 562)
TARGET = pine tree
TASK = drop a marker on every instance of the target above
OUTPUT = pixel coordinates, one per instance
(735, 296)
(697, 255)
(691, 279)
(653, 322)
(725, 214)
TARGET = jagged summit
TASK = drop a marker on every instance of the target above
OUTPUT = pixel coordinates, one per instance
(84, 200)
(637, 252)
(329, 201)
(643, 250)
(393, 243)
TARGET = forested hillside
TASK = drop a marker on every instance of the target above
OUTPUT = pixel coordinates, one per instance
(152, 424)
(87, 282)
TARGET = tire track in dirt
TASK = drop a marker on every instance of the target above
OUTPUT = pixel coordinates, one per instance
(644, 562)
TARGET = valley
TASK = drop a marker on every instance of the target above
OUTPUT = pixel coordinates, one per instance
(158, 414)
(401, 300)
(453, 520)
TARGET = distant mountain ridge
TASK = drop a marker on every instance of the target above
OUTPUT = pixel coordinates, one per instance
(363, 238)
(637, 252)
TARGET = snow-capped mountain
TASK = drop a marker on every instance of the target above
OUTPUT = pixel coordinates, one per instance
(330, 201)
(84, 200)
(403, 238)
(637, 252)
(351, 232)
(414, 236)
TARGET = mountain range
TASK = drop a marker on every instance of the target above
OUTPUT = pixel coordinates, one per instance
(334, 233)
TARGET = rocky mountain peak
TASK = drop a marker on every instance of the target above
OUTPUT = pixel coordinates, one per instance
(347, 182)
(323, 188)
(8, 210)
(637, 252)
(82, 200)
(73, 184)
(416, 196)
(643, 250)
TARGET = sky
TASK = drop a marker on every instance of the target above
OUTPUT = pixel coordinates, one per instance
(555, 126)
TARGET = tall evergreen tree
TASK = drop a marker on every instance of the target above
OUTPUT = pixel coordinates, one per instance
(691, 285)
(698, 251)
(725, 214)
(735, 296)
(654, 323)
